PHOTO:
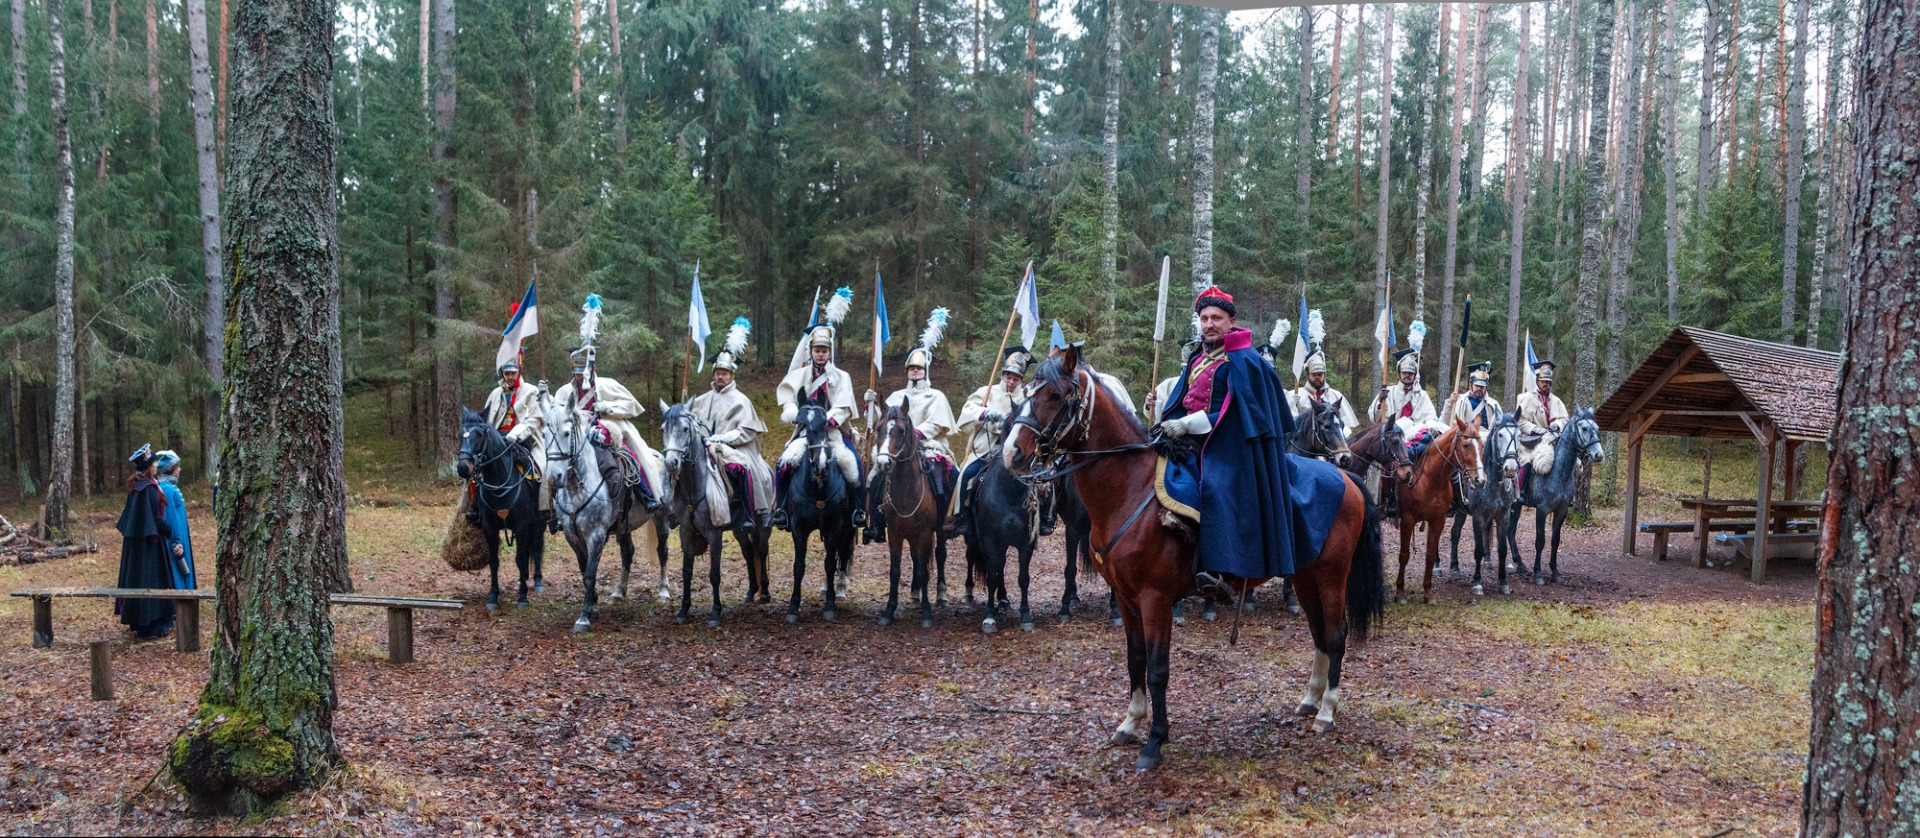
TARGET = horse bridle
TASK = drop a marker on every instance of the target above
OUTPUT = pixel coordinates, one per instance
(573, 472)
(911, 459)
(1399, 462)
(506, 450)
(1460, 469)
(1076, 414)
(1318, 437)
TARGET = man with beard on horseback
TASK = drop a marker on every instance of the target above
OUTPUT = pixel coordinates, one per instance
(1475, 406)
(981, 419)
(734, 428)
(614, 408)
(932, 418)
(817, 382)
(1230, 406)
(512, 410)
(1542, 417)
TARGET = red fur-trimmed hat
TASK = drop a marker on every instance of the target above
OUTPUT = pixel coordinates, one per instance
(1215, 297)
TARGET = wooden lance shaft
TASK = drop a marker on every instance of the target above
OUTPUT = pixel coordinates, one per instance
(994, 375)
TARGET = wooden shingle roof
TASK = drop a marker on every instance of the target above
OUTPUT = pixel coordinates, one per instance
(1699, 382)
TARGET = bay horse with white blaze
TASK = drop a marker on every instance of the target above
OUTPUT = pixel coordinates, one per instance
(912, 510)
(1071, 426)
(1426, 497)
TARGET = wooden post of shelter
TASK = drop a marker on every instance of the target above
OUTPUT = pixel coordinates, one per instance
(1763, 507)
(100, 655)
(1630, 529)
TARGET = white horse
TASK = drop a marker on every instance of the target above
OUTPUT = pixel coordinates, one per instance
(591, 502)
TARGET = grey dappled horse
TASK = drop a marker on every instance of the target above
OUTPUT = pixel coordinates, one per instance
(1489, 505)
(683, 441)
(1553, 491)
(591, 501)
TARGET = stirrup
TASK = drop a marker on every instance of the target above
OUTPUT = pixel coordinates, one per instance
(1210, 586)
(859, 517)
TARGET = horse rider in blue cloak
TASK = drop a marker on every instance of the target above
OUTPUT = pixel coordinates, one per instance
(1228, 403)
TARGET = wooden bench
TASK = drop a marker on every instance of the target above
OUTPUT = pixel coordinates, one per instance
(1661, 530)
(187, 613)
(1798, 545)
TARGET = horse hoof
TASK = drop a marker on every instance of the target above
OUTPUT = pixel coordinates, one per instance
(941, 601)
(664, 595)
(1477, 590)
(988, 627)
(492, 605)
(1307, 710)
(1178, 620)
(1539, 580)
(713, 622)
(539, 586)
(1322, 725)
(1121, 737)
(926, 623)
(886, 619)
(792, 617)
(1147, 763)
(1294, 608)
(1556, 577)
(616, 597)
(1210, 614)
(520, 604)
(1117, 622)
(1506, 589)
(581, 625)
(1427, 600)
(764, 600)
(829, 615)
(1026, 627)
(1400, 599)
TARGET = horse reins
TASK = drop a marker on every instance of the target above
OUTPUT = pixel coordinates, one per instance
(1076, 415)
(913, 456)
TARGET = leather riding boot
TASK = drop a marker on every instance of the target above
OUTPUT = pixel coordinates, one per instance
(1048, 517)
(860, 507)
(876, 526)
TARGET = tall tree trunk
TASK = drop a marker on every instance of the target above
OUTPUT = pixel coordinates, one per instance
(21, 159)
(1829, 171)
(1476, 142)
(1453, 196)
(576, 55)
(60, 481)
(1333, 88)
(220, 96)
(1033, 52)
(426, 45)
(1731, 106)
(264, 727)
(619, 78)
(1593, 238)
(213, 320)
(1626, 199)
(1110, 171)
(1706, 158)
(1359, 119)
(1304, 145)
(446, 370)
(1517, 169)
(1669, 151)
(153, 81)
(1796, 131)
(1424, 186)
(1861, 777)
(1385, 156)
(1208, 70)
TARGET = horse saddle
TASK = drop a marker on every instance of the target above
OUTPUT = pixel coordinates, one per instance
(1532, 439)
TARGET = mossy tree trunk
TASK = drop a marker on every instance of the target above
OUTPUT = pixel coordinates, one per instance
(1863, 765)
(265, 722)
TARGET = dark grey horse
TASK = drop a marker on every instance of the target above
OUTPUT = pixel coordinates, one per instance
(818, 499)
(505, 498)
(1006, 516)
(1552, 493)
(1489, 505)
(683, 441)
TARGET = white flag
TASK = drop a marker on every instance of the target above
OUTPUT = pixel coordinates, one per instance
(698, 326)
(1027, 303)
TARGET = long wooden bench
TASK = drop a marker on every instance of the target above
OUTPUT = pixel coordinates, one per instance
(187, 613)
(1662, 530)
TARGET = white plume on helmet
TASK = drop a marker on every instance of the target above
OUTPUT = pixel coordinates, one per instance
(1281, 328)
(839, 304)
(737, 335)
(936, 327)
(1417, 335)
(590, 319)
(1316, 328)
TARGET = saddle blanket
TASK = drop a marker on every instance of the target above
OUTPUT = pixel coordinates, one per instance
(1318, 489)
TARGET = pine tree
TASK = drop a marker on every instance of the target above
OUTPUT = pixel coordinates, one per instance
(213, 317)
(1796, 137)
(59, 483)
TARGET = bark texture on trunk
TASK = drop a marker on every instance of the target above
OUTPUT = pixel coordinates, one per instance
(1110, 169)
(214, 316)
(1380, 268)
(446, 370)
(1706, 159)
(1208, 72)
(264, 727)
(60, 481)
(1626, 208)
(1593, 236)
(1450, 259)
(1303, 161)
(1863, 761)
(1796, 142)
(1670, 150)
(619, 77)
(1517, 168)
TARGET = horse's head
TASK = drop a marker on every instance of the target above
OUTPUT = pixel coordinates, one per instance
(1053, 416)
(1325, 434)
(812, 420)
(565, 438)
(1461, 445)
(478, 443)
(1583, 433)
(897, 444)
(1503, 445)
(1385, 446)
(677, 436)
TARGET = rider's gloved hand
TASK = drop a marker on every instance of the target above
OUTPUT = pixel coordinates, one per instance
(1192, 424)
(872, 397)
(788, 413)
(728, 438)
(992, 416)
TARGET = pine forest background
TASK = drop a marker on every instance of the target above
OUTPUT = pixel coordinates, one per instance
(607, 146)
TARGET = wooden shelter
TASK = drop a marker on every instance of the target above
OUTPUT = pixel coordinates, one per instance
(1710, 385)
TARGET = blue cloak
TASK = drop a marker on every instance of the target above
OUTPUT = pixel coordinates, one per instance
(182, 565)
(1258, 517)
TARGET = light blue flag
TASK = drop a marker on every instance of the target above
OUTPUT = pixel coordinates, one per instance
(882, 331)
(1059, 339)
(698, 326)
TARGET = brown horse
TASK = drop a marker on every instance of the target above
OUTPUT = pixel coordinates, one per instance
(913, 513)
(1073, 427)
(1427, 496)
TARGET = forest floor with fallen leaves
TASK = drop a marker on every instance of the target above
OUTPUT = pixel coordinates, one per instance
(1631, 698)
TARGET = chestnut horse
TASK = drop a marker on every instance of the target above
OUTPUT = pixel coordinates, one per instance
(1073, 427)
(1428, 495)
(913, 513)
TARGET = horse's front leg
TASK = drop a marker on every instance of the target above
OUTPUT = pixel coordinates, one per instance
(1433, 559)
(1559, 520)
(687, 534)
(940, 560)
(713, 578)
(526, 550)
(1539, 543)
(1503, 537)
(665, 592)
(1072, 593)
(493, 568)
(1454, 568)
(829, 606)
(923, 549)
(588, 555)
(893, 576)
(1026, 613)
(799, 572)
(1479, 548)
(1406, 555)
(1128, 733)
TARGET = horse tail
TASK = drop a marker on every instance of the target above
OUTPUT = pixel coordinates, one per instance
(1366, 578)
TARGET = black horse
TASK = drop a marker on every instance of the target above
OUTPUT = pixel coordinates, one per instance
(506, 496)
(689, 466)
(1006, 516)
(1079, 530)
(1489, 504)
(818, 500)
